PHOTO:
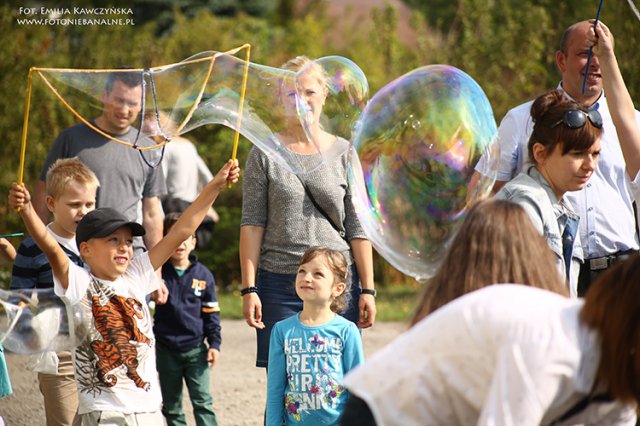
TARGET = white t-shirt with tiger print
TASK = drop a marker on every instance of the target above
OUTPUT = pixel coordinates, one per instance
(115, 363)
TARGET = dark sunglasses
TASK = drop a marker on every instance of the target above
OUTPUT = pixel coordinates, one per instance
(576, 118)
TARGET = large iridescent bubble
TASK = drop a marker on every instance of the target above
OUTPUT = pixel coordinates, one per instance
(207, 89)
(34, 321)
(418, 141)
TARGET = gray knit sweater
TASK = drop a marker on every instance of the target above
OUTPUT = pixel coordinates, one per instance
(275, 199)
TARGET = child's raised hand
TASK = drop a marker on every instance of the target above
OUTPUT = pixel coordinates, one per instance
(19, 196)
(227, 175)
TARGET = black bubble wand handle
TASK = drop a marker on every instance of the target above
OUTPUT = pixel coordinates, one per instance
(586, 69)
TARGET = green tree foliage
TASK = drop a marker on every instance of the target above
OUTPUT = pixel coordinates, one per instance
(504, 46)
(163, 12)
(508, 46)
(512, 43)
(439, 13)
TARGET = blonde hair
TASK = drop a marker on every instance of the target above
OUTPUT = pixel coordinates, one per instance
(497, 243)
(299, 62)
(340, 269)
(66, 170)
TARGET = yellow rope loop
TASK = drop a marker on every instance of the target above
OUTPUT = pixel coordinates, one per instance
(55, 92)
(88, 123)
(77, 114)
(199, 97)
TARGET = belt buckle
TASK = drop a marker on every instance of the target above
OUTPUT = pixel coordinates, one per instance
(598, 264)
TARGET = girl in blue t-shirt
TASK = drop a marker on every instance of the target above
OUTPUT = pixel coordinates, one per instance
(310, 352)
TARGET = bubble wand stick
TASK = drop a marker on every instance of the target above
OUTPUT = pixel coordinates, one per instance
(23, 148)
(243, 90)
(15, 234)
(586, 70)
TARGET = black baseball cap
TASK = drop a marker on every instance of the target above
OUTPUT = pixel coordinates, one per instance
(103, 222)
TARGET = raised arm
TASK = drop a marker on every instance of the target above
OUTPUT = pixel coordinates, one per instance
(619, 100)
(19, 198)
(193, 215)
(7, 250)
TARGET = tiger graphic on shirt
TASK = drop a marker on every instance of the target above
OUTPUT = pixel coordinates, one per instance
(116, 323)
(114, 349)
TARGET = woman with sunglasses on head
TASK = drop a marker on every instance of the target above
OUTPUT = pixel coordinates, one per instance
(563, 149)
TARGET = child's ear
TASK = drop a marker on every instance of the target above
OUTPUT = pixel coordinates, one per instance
(339, 288)
(51, 203)
(84, 249)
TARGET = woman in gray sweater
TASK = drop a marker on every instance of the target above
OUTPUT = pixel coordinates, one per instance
(280, 221)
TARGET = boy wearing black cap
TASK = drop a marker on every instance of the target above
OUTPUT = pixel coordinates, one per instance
(115, 365)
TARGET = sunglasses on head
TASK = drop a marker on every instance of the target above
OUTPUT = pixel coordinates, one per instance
(576, 118)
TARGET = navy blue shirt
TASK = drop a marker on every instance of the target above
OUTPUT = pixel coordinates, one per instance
(31, 268)
(191, 313)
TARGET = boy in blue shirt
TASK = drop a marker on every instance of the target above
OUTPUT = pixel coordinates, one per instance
(190, 316)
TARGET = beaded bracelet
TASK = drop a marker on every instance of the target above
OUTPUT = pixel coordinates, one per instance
(247, 290)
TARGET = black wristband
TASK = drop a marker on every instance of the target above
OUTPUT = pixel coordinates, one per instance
(247, 290)
(370, 291)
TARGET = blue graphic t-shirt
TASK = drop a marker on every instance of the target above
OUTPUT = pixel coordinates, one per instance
(306, 367)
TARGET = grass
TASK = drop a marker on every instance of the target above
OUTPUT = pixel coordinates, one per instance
(394, 302)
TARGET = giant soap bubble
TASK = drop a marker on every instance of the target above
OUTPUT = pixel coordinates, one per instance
(418, 141)
(277, 114)
(207, 88)
(36, 320)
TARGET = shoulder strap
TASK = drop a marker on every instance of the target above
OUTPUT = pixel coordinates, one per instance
(72, 256)
(581, 406)
(321, 210)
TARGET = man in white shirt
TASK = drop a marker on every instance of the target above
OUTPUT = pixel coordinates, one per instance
(605, 205)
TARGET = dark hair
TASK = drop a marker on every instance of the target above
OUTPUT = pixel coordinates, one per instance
(169, 220)
(497, 243)
(612, 308)
(129, 78)
(546, 111)
(339, 268)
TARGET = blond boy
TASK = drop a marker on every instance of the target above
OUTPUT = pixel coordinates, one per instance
(71, 193)
(115, 364)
